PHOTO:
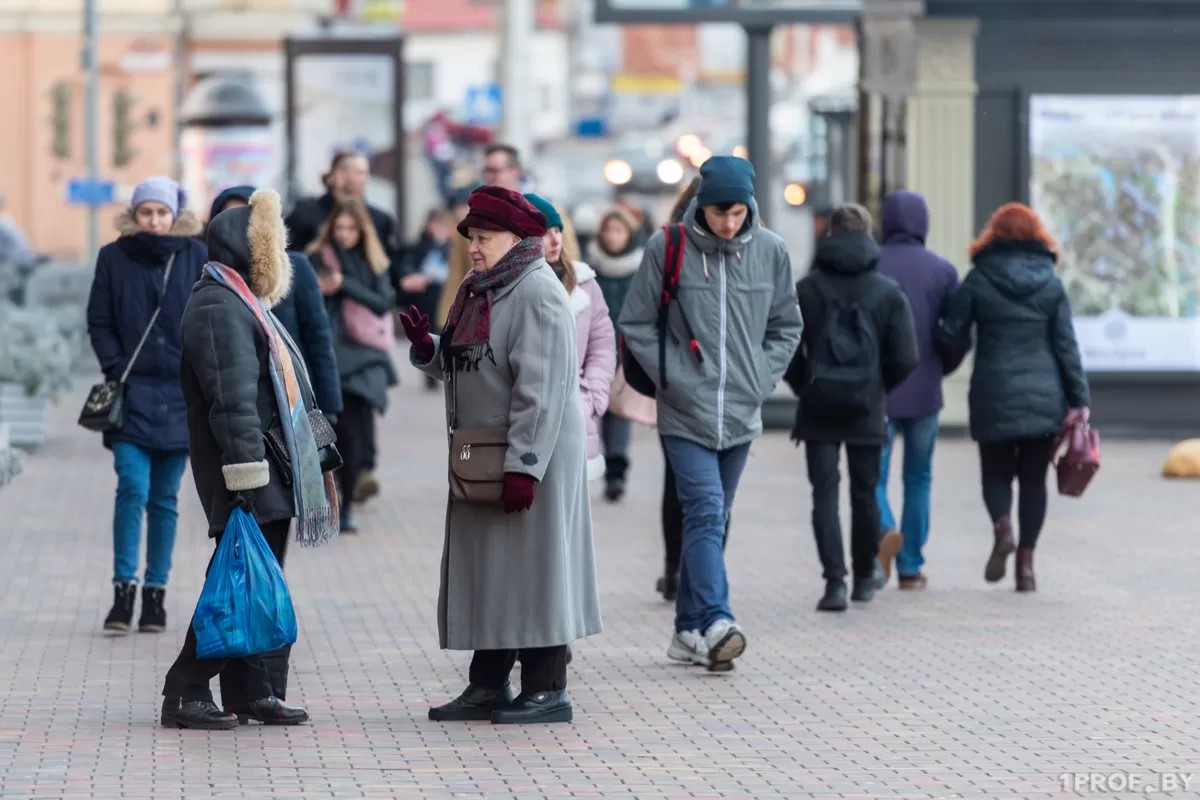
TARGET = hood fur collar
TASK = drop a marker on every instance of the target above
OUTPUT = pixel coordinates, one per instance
(270, 267)
(581, 298)
(186, 224)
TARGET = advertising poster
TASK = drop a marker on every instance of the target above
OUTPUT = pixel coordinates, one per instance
(216, 158)
(1117, 178)
(345, 102)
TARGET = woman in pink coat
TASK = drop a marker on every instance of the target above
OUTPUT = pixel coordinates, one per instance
(594, 335)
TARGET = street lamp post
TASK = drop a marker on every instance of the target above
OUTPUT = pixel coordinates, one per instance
(515, 54)
(90, 59)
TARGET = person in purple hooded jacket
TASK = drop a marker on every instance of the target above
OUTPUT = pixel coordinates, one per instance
(928, 281)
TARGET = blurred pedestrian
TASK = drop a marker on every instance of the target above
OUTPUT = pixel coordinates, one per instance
(616, 256)
(643, 224)
(595, 341)
(729, 342)
(242, 376)
(520, 586)
(928, 282)
(14, 244)
(140, 288)
(672, 511)
(346, 180)
(440, 152)
(1028, 379)
(501, 167)
(302, 313)
(352, 270)
(820, 218)
(858, 344)
(421, 274)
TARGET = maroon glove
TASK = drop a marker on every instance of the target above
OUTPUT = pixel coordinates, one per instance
(518, 492)
(416, 328)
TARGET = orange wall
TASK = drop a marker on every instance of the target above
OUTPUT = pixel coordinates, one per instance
(33, 179)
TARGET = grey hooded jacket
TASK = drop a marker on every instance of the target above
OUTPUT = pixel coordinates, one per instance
(740, 302)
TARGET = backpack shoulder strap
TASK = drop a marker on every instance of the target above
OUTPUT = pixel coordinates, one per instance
(673, 254)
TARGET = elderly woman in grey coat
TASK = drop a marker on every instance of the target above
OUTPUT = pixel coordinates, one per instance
(518, 576)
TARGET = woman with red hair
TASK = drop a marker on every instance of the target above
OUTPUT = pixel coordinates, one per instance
(1028, 378)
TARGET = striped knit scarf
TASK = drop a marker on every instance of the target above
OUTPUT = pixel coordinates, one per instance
(469, 323)
(314, 492)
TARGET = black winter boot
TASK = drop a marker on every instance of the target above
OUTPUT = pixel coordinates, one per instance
(615, 468)
(120, 617)
(154, 615)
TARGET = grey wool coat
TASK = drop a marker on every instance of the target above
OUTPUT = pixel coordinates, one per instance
(512, 581)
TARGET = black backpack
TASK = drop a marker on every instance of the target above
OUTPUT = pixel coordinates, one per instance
(844, 362)
(635, 375)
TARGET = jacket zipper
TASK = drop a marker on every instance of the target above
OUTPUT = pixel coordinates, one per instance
(724, 358)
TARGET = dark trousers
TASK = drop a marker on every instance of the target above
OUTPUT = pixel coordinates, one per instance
(543, 669)
(242, 679)
(672, 519)
(356, 442)
(1026, 460)
(863, 462)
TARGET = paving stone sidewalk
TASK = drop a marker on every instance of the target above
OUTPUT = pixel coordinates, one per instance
(963, 691)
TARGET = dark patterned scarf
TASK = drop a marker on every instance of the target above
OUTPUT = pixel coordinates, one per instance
(469, 324)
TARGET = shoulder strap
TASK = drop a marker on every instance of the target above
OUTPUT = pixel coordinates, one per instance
(137, 351)
(672, 260)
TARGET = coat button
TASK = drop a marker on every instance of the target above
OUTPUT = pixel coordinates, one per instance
(162, 340)
(163, 407)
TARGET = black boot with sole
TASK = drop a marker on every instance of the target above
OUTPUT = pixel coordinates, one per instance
(120, 617)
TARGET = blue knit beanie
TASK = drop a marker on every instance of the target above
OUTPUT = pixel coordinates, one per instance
(160, 189)
(725, 180)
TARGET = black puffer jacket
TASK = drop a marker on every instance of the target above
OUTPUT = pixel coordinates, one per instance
(847, 263)
(1027, 367)
(225, 373)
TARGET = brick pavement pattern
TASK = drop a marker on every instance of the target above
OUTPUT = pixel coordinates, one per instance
(964, 691)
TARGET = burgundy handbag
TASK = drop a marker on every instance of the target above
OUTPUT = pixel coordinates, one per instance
(1080, 461)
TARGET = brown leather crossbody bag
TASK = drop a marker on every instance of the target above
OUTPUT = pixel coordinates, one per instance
(476, 458)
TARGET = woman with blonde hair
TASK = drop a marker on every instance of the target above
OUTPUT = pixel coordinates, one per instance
(1028, 379)
(352, 267)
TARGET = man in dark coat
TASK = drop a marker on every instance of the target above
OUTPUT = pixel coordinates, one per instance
(843, 282)
(303, 315)
(346, 180)
(231, 404)
(928, 282)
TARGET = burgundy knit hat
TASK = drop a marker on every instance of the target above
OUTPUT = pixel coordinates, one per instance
(493, 208)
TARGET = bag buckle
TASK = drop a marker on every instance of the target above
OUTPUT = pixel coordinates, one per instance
(465, 453)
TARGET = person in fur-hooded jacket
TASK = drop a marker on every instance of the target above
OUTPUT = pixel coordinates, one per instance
(242, 376)
(152, 265)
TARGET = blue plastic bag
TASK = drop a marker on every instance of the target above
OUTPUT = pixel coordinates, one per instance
(245, 607)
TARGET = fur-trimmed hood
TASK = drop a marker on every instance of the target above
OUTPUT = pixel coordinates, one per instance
(186, 224)
(253, 240)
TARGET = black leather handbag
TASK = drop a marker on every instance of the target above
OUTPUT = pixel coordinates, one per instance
(107, 402)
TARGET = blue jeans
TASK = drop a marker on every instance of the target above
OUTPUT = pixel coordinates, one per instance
(147, 486)
(920, 436)
(707, 481)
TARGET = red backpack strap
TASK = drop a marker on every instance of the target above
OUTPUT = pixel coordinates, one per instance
(673, 259)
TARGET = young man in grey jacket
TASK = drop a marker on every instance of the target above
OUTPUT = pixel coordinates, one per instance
(732, 327)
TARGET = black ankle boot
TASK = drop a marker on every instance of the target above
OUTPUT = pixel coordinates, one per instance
(614, 478)
(154, 615)
(476, 703)
(120, 617)
(834, 598)
(200, 715)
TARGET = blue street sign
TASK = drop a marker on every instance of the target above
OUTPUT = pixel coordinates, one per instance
(484, 104)
(86, 192)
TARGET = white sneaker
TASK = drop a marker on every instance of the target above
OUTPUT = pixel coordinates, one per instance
(689, 647)
(724, 642)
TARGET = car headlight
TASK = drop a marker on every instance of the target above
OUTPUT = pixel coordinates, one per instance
(795, 194)
(670, 171)
(699, 156)
(618, 172)
(688, 144)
